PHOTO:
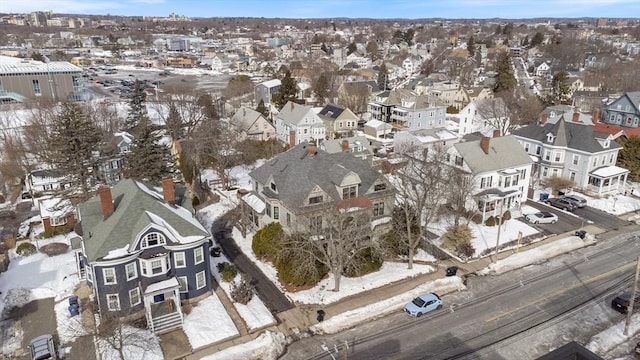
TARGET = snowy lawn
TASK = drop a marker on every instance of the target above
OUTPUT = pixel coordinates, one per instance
(385, 307)
(208, 323)
(538, 254)
(612, 337)
(255, 314)
(323, 292)
(485, 236)
(267, 346)
(136, 344)
(614, 204)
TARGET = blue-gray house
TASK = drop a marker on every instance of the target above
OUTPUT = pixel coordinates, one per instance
(143, 252)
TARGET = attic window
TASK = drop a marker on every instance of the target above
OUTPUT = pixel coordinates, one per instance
(606, 143)
(550, 137)
(273, 186)
(315, 200)
(380, 187)
(153, 239)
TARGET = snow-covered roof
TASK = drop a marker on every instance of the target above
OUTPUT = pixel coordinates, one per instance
(609, 171)
(162, 285)
(11, 65)
(55, 208)
(254, 201)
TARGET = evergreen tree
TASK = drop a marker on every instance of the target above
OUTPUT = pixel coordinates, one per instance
(629, 157)
(383, 77)
(148, 160)
(351, 48)
(174, 123)
(471, 46)
(137, 108)
(537, 39)
(288, 90)
(74, 138)
(372, 50)
(504, 79)
(560, 89)
(321, 87)
(262, 109)
(525, 41)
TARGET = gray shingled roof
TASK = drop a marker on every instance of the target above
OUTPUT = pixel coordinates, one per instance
(292, 113)
(575, 136)
(132, 203)
(504, 152)
(244, 118)
(295, 174)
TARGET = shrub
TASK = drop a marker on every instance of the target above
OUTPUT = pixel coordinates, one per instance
(267, 241)
(459, 238)
(59, 230)
(491, 221)
(299, 271)
(195, 201)
(393, 245)
(242, 292)
(506, 216)
(54, 249)
(26, 249)
(465, 249)
(228, 271)
(366, 261)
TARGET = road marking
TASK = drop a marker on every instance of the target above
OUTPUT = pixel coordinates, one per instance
(559, 292)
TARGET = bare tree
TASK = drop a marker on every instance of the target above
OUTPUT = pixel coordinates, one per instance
(117, 334)
(495, 113)
(422, 185)
(184, 98)
(336, 238)
(355, 98)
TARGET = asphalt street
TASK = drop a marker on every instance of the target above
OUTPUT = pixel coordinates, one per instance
(494, 312)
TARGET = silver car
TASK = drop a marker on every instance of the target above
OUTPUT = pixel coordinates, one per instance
(579, 201)
(42, 348)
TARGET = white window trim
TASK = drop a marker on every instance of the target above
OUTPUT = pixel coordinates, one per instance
(58, 221)
(204, 280)
(109, 302)
(135, 271)
(186, 284)
(161, 240)
(197, 251)
(136, 291)
(146, 266)
(104, 276)
(181, 255)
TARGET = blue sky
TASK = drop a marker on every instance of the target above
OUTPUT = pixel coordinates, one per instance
(410, 9)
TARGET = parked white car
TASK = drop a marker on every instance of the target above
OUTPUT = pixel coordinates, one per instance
(543, 217)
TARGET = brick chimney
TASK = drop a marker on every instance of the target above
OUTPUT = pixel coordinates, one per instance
(292, 138)
(576, 117)
(106, 201)
(496, 133)
(345, 145)
(292, 105)
(311, 149)
(484, 144)
(168, 190)
(596, 116)
(544, 118)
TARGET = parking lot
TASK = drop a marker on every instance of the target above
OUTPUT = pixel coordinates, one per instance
(569, 221)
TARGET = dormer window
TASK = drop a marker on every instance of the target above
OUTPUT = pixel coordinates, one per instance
(349, 192)
(153, 239)
(315, 200)
(380, 187)
(606, 143)
(273, 186)
(550, 137)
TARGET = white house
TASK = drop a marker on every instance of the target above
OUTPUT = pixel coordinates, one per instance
(297, 123)
(542, 69)
(500, 169)
(409, 140)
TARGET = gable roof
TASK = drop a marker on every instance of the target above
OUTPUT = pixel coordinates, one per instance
(136, 206)
(296, 173)
(292, 113)
(331, 111)
(572, 135)
(504, 152)
(244, 118)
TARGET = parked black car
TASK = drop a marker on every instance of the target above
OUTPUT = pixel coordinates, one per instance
(621, 302)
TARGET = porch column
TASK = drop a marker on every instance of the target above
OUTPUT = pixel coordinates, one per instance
(176, 299)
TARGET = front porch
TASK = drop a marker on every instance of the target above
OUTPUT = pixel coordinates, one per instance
(494, 202)
(162, 305)
(607, 180)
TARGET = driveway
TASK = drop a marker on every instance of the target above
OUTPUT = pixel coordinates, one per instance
(35, 318)
(569, 221)
(272, 297)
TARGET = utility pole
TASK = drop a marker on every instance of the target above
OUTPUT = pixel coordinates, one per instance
(632, 300)
(499, 227)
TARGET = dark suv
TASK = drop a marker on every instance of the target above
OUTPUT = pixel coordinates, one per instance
(620, 303)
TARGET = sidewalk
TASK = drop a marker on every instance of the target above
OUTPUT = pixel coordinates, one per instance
(302, 317)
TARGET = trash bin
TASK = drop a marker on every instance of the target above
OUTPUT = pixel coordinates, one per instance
(320, 315)
(73, 300)
(581, 234)
(74, 309)
(544, 196)
(216, 251)
(452, 270)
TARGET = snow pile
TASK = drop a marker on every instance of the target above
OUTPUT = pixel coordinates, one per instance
(536, 255)
(614, 204)
(255, 314)
(136, 344)
(613, 336)
(208, 323)
(385, 307)
(267, 346)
